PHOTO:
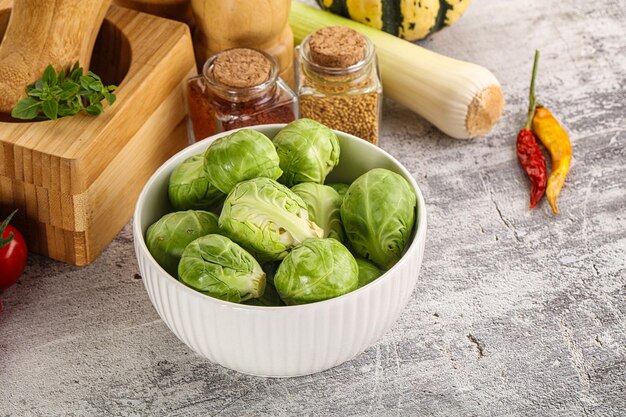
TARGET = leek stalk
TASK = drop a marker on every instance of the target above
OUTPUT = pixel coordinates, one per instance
(461, 99)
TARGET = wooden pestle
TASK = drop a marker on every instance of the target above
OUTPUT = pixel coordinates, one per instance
(42, 32)
(259, 24)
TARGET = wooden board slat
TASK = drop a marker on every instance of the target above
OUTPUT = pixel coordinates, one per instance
(107, 212)
(75, 212)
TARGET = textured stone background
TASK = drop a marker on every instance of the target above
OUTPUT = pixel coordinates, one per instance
(516, 312)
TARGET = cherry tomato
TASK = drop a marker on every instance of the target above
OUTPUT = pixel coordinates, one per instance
(13, 254)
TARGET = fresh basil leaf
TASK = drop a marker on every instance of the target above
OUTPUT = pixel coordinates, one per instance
(26, 109)
(67, 110)
(96, 86)
(64, 94)
(69, 92)
(94, 76)
(69, 84)
(94, 109)
(76, 73)
(51, 109)
(49, 76)
(46, 94)
(77, 104)
(61, 78)
(84, 82)
(56, 91)
(110, 98)
(35, 92)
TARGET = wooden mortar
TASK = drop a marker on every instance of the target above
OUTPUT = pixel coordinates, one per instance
(39, 33)
(75, 180)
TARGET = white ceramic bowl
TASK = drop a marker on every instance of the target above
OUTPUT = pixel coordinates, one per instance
(280, 341)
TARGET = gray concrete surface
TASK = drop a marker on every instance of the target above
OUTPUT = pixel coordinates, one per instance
(516, 312)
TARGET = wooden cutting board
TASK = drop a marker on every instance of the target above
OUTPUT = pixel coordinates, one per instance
(75, 180)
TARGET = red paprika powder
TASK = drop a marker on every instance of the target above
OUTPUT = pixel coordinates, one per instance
(237, 88)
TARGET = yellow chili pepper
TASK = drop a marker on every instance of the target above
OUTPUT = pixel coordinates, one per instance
(556, 141)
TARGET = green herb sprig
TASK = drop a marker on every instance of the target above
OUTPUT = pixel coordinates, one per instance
(64, 94)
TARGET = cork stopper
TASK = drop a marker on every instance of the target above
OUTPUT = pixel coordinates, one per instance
(336, 47)
(241, 68)
(484, 111)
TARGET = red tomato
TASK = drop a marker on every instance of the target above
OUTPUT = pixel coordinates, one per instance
(12, 257)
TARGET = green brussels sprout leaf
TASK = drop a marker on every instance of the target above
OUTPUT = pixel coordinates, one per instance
(341, 188)
(378, 215)
(190, 188)
(308, 151)
(167, 238)
(216, 266)
(368, 272)
(241, 156)
(316, 270)
(324, 205)
(266, 218)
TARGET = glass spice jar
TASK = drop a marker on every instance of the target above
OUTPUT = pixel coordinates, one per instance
(338, 82)
(238, 87)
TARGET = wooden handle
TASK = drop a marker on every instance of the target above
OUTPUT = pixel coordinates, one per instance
(57, 32)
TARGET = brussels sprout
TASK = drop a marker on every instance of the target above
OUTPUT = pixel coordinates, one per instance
(308, 151)
(324, 206)
(215, 265)
(341, 188)
(368, 272)
(190, 188)
(270, 297)
(241, 156)
(378, 215)
(167, 238)
(266, 218)
(316, 270)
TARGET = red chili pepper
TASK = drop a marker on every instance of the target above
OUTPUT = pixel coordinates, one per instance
(534, 163)
(528, 150)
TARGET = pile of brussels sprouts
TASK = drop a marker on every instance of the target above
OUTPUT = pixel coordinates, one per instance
(282, 237)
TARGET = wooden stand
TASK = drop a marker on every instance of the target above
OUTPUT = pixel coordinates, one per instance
(75, 180)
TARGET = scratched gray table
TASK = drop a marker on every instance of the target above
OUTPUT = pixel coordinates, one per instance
(516, 312)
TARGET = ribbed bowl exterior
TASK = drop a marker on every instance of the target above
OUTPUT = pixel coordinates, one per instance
(277, 341)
